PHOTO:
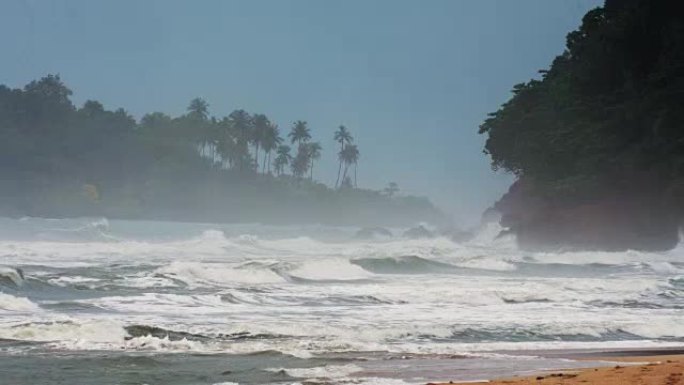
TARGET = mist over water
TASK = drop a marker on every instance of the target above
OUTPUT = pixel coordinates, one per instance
(255, 304)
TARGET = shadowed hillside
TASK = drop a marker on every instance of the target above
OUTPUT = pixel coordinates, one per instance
(597, 143)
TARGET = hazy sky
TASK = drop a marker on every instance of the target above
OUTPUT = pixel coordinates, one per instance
(412, 79)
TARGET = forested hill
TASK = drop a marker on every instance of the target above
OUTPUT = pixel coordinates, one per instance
(60, 160)
(597, 142)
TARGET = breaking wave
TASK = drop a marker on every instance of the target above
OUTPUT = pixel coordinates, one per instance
(112, 285)
(409, 264)
(194, 273)
(10, 303)
(12, 277)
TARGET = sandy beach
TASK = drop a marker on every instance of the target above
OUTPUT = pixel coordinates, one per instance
(642, 370)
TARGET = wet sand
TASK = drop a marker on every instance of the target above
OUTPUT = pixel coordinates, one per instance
(624, 370)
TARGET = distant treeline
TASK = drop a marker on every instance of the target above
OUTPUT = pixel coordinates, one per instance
(57, 159)
(598, 142)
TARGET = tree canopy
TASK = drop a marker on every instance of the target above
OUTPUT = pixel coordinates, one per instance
(607, 109)
(603, 126)
(58, 159)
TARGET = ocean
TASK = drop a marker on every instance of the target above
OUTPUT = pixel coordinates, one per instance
(97, 301)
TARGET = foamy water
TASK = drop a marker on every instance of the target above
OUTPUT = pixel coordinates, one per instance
(318, 295)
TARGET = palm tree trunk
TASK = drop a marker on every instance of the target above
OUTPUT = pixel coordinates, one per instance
(215, 150)
(355, 185)
(344, 175)
(263, 166)
(256, 156)
(339, 169)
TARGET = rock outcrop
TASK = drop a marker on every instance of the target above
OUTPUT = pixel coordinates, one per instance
(373, 232)
(418, 232)
(642, 218)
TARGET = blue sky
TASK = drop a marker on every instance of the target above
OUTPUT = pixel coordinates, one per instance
(411, 79)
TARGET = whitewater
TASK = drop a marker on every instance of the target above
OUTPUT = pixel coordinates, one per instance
(97, 301)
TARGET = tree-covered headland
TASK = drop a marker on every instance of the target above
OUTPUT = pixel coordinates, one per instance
(597, 143)
(60, 160)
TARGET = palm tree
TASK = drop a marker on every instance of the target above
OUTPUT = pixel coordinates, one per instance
(300, 163)
(299, 133)
(342, 136)
(227, 150)
(346, 183)
(349, 155)
(260, 125)
(213, 131)
(241, 127)
(198, 108)
(282, 159)
(313, 152)
(225, 142)
(270, 142)
(198, 113)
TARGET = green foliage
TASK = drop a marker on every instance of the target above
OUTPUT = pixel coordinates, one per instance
(282, 159)
(343, 137)
(300, 132)
(60, 160)
(198, 109)
(348, 155)
(607, 110)
(300, 164)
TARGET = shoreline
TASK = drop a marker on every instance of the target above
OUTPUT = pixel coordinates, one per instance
(622, 367)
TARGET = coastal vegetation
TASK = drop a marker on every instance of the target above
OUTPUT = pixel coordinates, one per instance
(597, 142)
(58, 159)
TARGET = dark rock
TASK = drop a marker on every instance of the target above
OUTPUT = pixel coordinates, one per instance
(373, 232)
(418, 232)
(642, 218)
(490, 215)
(145, 330)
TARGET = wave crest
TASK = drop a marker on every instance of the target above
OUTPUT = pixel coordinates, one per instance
(17, 304)
(198, 273)
(9, 276)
